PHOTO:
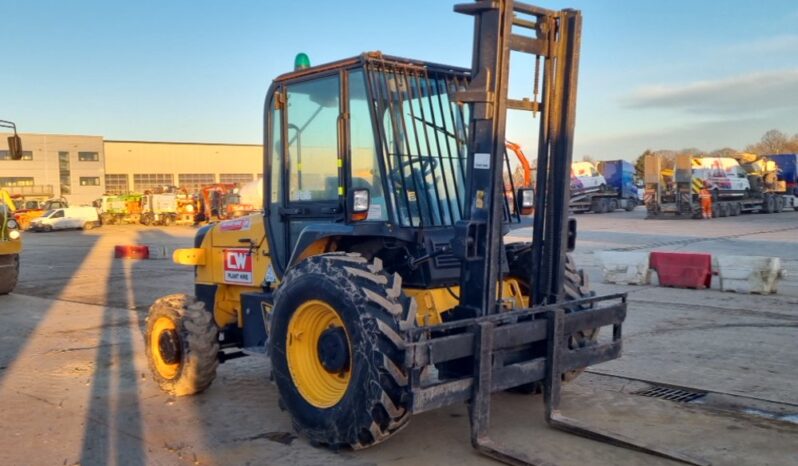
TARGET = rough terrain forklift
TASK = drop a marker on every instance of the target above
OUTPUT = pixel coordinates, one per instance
(10, 238)
(377, 279)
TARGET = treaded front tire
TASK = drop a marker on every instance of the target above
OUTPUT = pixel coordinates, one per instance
(196, 336)
(9, 272)
(373, 311)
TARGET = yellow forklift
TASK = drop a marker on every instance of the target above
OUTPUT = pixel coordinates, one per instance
(10, 237)
(377, 278)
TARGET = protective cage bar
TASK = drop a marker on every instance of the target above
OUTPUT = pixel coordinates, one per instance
(423, 133)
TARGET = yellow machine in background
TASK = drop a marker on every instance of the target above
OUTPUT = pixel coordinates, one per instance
(10, 237)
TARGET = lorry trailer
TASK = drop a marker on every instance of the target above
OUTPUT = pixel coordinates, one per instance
(675, 193)
(607, 188)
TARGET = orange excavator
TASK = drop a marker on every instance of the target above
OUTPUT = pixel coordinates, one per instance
(220, 201)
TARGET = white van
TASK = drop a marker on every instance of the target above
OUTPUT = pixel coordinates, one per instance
(585, 177)
(68, 217)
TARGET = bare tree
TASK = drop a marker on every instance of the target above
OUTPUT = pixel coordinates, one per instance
(772, 142)
(725, 152)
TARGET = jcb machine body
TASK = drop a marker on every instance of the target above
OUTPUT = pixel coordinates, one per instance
(159, 209)
(220, 201)
(10, 236)
(121, 209)
(377, 279)
(33, 208)
(745, 183)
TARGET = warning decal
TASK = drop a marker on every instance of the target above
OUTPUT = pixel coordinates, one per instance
(238, 266)
(238, 224)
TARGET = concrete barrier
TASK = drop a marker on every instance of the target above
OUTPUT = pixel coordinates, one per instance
(749, 274)
(624, 267)
(159, 252)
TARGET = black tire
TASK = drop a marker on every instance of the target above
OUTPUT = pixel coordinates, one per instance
(88, 225)
(9, 272)
(779, 204)
(723, 210)
(196, 337)
(167, 220)
(599, 206)
(769, 205)
(47, 228)
(612, 205)
(373, 311)
(631, 203)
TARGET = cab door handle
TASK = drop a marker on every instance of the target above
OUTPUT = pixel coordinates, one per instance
(290, 211)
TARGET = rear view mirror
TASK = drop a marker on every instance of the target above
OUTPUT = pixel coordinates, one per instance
(15, 147)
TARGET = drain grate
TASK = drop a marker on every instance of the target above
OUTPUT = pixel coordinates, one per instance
(678, 395)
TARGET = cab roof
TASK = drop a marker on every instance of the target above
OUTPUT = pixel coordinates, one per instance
(375, 56)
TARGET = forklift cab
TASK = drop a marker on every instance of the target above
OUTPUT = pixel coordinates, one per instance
(369, 146)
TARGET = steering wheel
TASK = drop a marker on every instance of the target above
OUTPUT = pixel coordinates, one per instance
(428, 166)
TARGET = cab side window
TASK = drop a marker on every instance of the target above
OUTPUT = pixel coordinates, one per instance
(313, 110)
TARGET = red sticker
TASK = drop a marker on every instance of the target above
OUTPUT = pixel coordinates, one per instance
(238, 224)
(237, 266)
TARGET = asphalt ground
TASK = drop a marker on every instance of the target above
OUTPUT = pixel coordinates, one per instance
(74, 387)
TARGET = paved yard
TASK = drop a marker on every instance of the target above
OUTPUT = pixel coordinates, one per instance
(74, 388)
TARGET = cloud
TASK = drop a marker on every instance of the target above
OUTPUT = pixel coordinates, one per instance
(752, 94)
(773, 44)
(705, 135)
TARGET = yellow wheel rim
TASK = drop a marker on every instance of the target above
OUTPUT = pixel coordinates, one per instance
(318, 386)
(165, 370)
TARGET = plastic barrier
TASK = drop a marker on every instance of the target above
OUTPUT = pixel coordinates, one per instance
(682, 269)
(624, 268)
(749, 274)
(131, 252)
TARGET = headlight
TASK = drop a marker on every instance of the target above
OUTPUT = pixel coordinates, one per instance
(14, 234)
(12, 224)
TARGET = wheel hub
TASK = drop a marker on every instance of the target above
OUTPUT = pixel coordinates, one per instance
(169, 346)
(333, 350)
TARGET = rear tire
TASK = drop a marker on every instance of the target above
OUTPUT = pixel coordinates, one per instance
(181, 343)
(9, 272)
(779, 204)
(88, 225)
(347, 292)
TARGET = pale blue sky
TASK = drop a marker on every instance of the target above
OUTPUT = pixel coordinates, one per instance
(654, 74)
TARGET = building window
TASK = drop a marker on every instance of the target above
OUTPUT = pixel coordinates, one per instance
(90, 181)
(26, 155)
(116, 184)
(237, 178)
(63, 172)
(15, 181)
(194, 181)
(148, 181)
(88, 157)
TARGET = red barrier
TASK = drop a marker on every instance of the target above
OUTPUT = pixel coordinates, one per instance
(131, 252)
(683, 269)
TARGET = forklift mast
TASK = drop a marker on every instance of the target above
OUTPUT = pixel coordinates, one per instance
(553, 38)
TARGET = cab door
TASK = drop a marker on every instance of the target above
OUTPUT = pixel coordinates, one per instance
(313, 156)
